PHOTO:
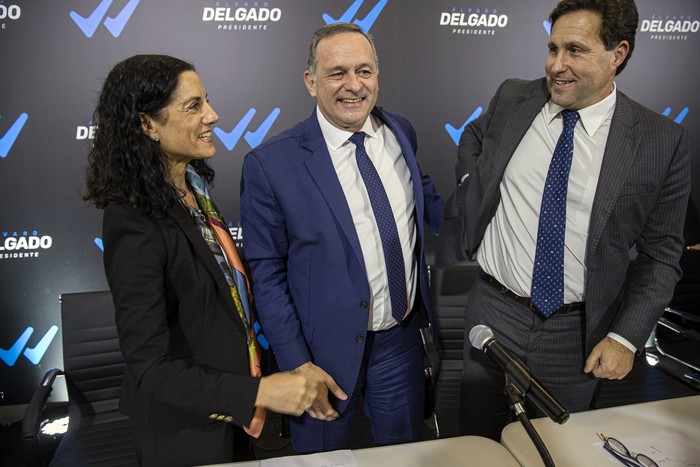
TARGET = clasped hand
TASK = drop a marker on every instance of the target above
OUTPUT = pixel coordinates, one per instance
(320, 408)
(286, 393)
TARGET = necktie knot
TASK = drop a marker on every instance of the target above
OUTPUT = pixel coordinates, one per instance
(358, 139)
(570, 118)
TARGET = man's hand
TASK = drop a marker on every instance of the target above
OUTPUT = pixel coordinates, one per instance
(609, 359)
(321, 408)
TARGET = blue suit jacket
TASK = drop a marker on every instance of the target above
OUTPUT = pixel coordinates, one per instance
(309, 282)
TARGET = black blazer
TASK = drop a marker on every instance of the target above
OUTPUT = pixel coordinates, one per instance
(183, 342)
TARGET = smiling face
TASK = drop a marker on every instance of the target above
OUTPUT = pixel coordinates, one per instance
(345, 84)
(579, 70)
(183, 127)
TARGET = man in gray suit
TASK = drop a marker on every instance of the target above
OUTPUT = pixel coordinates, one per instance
(573, 313)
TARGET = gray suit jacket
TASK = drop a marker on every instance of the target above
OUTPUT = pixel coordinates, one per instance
(640, 202)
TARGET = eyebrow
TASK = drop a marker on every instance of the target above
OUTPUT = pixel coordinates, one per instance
(568, 44)
(190, 100)
(345, 67)
(366, 65)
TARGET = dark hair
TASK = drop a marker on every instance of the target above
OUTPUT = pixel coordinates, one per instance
(331, 30)
(619, 20)
(124, 165)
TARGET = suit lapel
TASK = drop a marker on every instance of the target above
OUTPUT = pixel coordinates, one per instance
(184, 222)
(617, 159)
(519, 122)
(321, 169)
(523, 113)
(411, 162)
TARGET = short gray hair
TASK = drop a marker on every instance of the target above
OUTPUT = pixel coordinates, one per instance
(331, 30)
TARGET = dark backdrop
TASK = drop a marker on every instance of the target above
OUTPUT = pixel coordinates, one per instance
(440, 61)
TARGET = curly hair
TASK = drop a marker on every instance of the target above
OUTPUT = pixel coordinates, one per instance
(124, 165)
(619, 20)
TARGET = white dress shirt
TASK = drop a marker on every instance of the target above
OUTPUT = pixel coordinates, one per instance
(507, 251)
(385, 153)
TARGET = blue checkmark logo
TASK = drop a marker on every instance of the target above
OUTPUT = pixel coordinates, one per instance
(347, 17)
(261, 337)
(33, 354)
(98, 242)
(9, 138)
(90, 24)
(115, 25)
(253, 138)
(11, 355)
(547, 27)
(680, 117)
(456, 133)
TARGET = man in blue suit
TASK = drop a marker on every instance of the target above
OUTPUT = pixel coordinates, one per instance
(337, 292)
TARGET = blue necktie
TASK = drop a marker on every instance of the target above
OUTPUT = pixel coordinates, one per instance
(393, 255)
(547, 291)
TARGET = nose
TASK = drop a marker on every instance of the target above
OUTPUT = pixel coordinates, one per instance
(558, 62)
(353, 82)
(210, 117)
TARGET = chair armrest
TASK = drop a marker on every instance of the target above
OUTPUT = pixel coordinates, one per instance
(683, 315)
(687, 333)
(430, 352)
(32, 415)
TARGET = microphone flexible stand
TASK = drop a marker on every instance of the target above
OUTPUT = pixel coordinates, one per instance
(515, 399)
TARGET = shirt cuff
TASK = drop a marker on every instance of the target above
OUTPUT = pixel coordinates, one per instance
(622, 341)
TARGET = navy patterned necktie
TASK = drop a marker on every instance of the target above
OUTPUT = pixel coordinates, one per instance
(393, 255)
(547, 292)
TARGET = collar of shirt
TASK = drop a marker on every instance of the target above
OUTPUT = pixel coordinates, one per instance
(591, 117)
(335, 137)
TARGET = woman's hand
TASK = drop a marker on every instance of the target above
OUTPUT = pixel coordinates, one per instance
(321, 407)
(286, 393)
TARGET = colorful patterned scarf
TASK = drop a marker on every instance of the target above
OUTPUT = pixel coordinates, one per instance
(227, 255)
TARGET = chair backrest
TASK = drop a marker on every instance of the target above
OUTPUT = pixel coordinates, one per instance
(449, 289)
(93, 363)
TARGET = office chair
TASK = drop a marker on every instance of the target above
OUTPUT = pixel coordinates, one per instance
(450, 287)
(98, 434)
(674, 345)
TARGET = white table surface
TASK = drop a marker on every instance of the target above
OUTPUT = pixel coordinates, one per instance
(460, 451)
(571, 444)
(467, 451)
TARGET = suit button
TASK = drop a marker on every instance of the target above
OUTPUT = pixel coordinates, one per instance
(363, 304)
(360, 339)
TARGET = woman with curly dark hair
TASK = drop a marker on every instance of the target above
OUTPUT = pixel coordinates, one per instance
(183, 304)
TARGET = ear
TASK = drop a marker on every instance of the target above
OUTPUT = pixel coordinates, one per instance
(620, 53)
(310, 83)
(148, 127)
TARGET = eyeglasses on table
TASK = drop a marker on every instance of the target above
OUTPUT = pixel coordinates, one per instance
(624, 455)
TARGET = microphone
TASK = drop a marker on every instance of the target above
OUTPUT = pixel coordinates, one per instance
(482, 338)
